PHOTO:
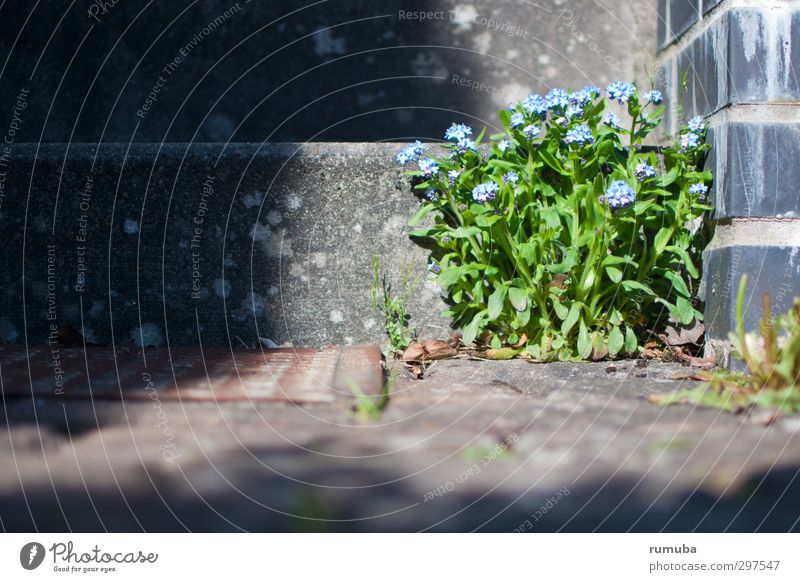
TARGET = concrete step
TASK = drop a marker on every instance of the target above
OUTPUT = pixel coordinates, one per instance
(176, 244)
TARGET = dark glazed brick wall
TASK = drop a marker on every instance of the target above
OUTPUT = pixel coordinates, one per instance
(682, 15)
(744, 57)
(709, 4)
(663, 23)
(769, 269)
(756, 169)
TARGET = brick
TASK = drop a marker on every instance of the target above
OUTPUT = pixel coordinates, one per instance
(708, 5)
(744, 57)
(662, 28)
(770, 269)
(682, 15)
(755, 169)
(292, 375)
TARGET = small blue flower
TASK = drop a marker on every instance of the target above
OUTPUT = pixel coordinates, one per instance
(654, 97)
(452, 175)
(618, 195)
(557, 99)
(531, 131)
(517, 119)
(510, 177)
(428, 167)
(581, 135)
(410, 153)
(504, 145)
(644, 172)
(465, 145)
(445, 239)
(700, 190)
(697, 124)
(434, 268)
(573, 111)
(585, 95)
(484, 192)
(620, 91)
(689, 141)
(457, 131)
(535, 104)
(611, 119)
(430, 194)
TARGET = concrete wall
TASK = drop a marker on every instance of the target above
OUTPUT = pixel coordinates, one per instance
(176, 244)
(282, 70)
(737, 62)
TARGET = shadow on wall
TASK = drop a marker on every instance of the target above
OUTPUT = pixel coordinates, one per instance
(330, 70)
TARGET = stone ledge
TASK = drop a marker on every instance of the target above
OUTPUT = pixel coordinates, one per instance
(283, 251)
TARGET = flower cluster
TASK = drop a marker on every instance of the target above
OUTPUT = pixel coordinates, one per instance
(484, 192)
(428, 167)
(580, 135)
(644, 172)
(410, 153)
(692, 136)
(620, 91)
(565, 204)
(700, 190)
(619, 194)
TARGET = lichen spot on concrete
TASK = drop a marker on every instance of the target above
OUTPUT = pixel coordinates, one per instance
(252, 199)
(149, 334)
(336, 316)
(130, 226)
(294, 202)
(222, 287)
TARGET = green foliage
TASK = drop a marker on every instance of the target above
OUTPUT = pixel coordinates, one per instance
(391, 307)
(772, 355)
(557, 257)
(369, 408)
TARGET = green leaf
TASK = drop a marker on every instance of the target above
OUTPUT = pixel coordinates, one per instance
(684, 310)
(548, 159)
(561, 310)
(496, 302)
(518, 298)
(662, 240)
(473, 329)
(464, 232)
(616, 341)
(584, 342)
(630, 341)
(572, 318)
(614, 274)
(588, 281)
(450, 276)
(502, 353)
(487, 220)
(637, 286)
(666, 179)
(423, 211)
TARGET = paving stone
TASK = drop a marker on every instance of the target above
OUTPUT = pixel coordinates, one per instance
(298, 375)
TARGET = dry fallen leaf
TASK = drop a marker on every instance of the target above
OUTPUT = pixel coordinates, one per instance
(414, 353)
(438, 350)
(684, 336)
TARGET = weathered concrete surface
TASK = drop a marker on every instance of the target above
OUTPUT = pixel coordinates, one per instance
(435, 461)
(206, 244)
(281, 70)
